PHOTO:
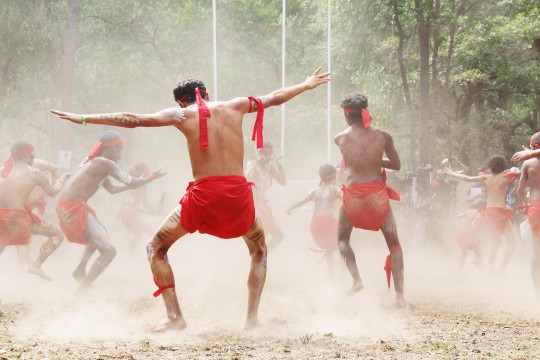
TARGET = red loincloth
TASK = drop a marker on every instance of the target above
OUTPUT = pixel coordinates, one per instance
(465, 239)
(533, 213)
(495, 219)
(73, 217)
(16, 226)
(324, 231)
(366, 205)
(40, 204)
(218, 205)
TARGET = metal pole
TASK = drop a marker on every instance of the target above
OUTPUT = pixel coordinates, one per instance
(329, 89)
(284, 16)
(214, 34)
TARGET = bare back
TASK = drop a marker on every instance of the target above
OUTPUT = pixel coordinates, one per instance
(531, 175)
(89, 177)
(16, 188)
(497, 186)
(363, 150)
(225, 152)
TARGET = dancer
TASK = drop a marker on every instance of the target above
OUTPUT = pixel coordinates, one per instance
(530, 175)
(78, 220)
(366, 196)
(496, 218)
(18, 180)
(261, 171)
(323, 224)
(219, 201)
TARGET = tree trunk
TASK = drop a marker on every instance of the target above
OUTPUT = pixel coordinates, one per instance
(413, 128)
(424, 27)
(436, 107)
(68, 77)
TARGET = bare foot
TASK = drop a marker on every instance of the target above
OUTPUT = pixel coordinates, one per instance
(251, 323)
(357, 286)
(401, 303)
(168, 324)
(79, 275)
(37, 271)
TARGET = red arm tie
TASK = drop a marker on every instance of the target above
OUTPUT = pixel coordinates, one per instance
(258, 127)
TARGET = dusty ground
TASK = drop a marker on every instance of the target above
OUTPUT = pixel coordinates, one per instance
(458, 314)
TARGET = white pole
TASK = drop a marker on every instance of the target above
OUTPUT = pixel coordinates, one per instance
(284, 16)
(214, 34)
(329, 90)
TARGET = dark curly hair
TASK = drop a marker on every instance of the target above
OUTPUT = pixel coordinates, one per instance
(19, 146)
(355, 101)
(497, 164)
(187, 87)
(326, 170)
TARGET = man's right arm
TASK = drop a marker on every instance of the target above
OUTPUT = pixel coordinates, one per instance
(523, 182)
(168, 117)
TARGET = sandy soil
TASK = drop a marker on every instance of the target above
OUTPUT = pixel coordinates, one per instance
(304, 314)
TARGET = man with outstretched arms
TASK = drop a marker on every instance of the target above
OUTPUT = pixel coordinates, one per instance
(366, 196)
(18, 179)
(219, 201)
(496, 218)
(530, 174)
(78, 220)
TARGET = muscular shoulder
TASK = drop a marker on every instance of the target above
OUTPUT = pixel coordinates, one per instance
(102, 165)
(39, 175)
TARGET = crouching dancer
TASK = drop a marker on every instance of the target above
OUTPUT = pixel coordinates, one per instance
(219, 201)
(78, 220)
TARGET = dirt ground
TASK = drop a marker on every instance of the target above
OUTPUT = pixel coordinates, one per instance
(458, 313)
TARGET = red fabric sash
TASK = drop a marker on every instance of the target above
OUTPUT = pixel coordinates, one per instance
(161, 288)
(16, 226)
(323, 228)
(8, 164)
(258, 126)
(366, 116)
(534, 144)
(533, 214)
(366, 205)
(73, 218)
(388, 265)
(204, 113)
(511, 176)
(495, 219)
(99, 146)
(218, 205)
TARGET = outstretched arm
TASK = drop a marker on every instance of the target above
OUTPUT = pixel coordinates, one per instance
(299, 203)
(283, 95)
(525, 154)
(168, 117)
(477, 179)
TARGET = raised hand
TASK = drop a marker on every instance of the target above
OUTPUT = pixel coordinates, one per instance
(75, 118)
(315, 80)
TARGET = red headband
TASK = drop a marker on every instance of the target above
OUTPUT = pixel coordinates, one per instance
(202, 91)
(534, 144)
(366, 117)
(258, 126)
(8, 164)
(96, 150)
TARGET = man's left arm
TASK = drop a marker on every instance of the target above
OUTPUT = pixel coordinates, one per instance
(391, 161)
(127, 182)
(168, 117)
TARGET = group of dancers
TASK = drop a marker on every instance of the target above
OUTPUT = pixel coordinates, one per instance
(220, 201)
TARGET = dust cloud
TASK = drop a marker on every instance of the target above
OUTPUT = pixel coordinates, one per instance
(302, 294)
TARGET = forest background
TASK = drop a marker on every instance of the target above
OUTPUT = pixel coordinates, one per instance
(444, 77)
